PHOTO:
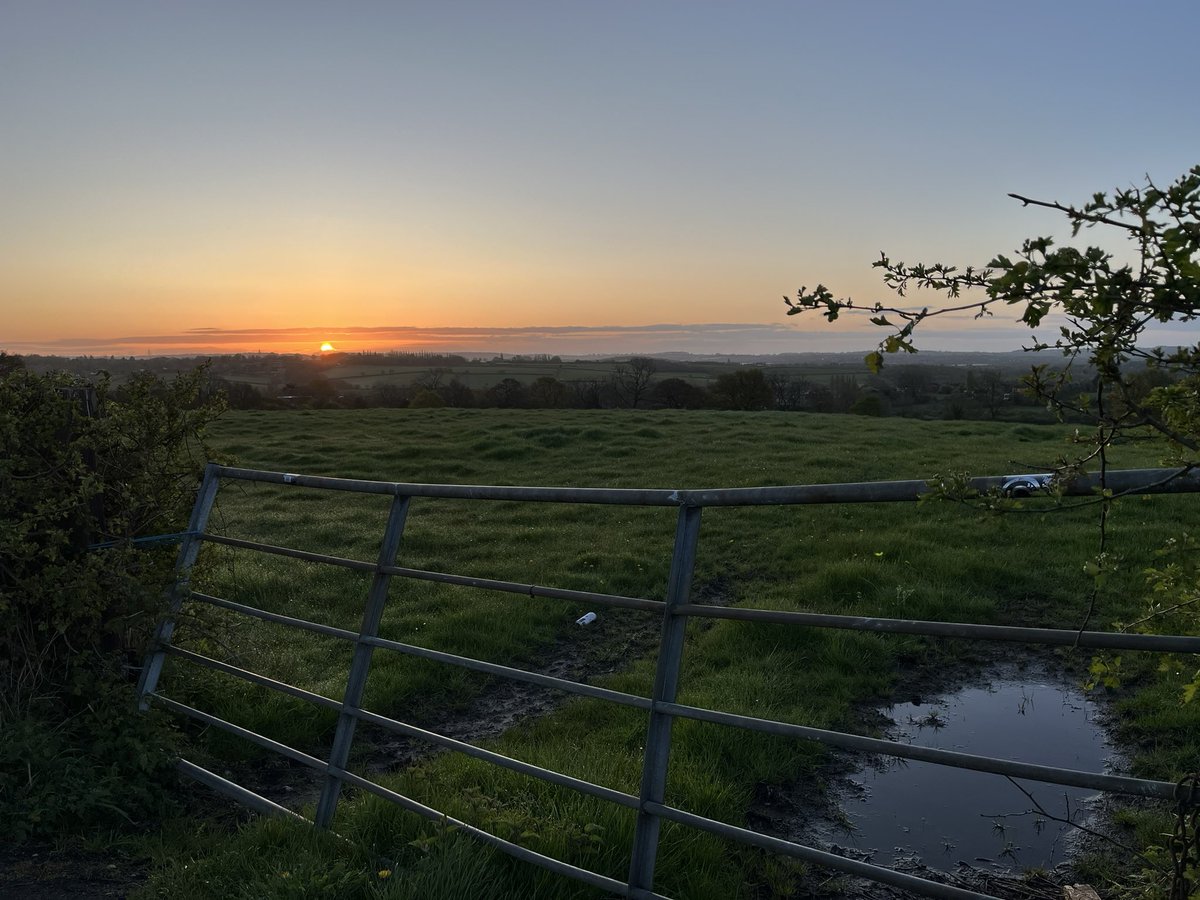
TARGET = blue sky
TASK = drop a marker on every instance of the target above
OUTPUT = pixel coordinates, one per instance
(169, 167)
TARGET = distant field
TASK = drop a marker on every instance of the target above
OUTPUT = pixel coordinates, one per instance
(928, 561)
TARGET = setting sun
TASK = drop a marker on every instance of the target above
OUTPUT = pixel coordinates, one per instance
(327, 347)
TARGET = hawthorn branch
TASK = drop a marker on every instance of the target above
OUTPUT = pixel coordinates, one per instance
(1161, 612)
(1072, 213)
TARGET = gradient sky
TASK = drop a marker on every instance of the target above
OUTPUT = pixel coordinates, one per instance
(262, 175)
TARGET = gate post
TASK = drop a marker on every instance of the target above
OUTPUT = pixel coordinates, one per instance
(189, 548)
(361, 663)
(666, 684)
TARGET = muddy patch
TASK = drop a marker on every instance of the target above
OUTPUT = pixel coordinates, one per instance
(40, 872)
(610, 643)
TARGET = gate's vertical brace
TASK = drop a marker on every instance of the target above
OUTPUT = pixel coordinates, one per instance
(666, 683)
(361, 663)
(189, 548)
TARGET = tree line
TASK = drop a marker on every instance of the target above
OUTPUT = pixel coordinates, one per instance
(929, 392)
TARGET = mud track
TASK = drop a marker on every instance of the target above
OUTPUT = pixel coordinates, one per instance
(617, 638)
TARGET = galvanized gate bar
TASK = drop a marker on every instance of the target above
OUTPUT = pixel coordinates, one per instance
(617, 496)
(506, 762)
(1164, 790)
(186, 558)
(548, 775)
(1135, 481)
(343, 634)
(465, 662)
(254, 678)
(657, 754)
(307, 555)
(253, 737)
(1066, 637)
(532, 590)
(361, 664)
(1048, 774)
(493, 584)
(820, 857)
(246, 797)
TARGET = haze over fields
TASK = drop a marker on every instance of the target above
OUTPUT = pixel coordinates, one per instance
(538, 177)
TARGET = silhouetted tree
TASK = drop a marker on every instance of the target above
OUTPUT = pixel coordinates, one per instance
(743, 389)
(433, 379)
(913, 382)
(844, 390)
(455, 393)
(426, 399)
(789, 392)
(584, 393)
(548, 393)
(631, 380)
(389, 395)
(507, 394)
(675, 393)
(867, 405)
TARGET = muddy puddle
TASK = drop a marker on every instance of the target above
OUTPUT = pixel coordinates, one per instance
(898, 812)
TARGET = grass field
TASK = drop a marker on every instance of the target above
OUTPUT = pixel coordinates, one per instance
(927, 561)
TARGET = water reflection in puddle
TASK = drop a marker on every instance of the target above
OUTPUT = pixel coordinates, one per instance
(945, 815)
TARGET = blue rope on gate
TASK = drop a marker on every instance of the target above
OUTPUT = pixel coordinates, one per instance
(148, 539)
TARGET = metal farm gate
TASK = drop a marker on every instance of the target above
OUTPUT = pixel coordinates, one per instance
(661, 708)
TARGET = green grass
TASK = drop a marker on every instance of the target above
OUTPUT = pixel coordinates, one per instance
(928, 561)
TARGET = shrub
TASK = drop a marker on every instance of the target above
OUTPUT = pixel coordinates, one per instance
(427, 399)
(82, 466)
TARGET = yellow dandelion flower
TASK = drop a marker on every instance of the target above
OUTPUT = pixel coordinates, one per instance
(385, 873)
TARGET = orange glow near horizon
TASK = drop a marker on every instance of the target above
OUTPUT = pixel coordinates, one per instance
(328, 347)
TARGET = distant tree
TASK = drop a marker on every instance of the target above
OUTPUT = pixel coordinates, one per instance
(913, 382)
(507, 394)
(844, 390)
(788, 391)
(675, 393)
(426, 399)
(548, 392)
(433, 379)
(323, 392)
(820, 398)
(389, 395)
(457, 394)
(745, 389)
(631, 380)
(988, 387)
(867, 405)
(239, 395)
(584, 393)
(10, 363)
